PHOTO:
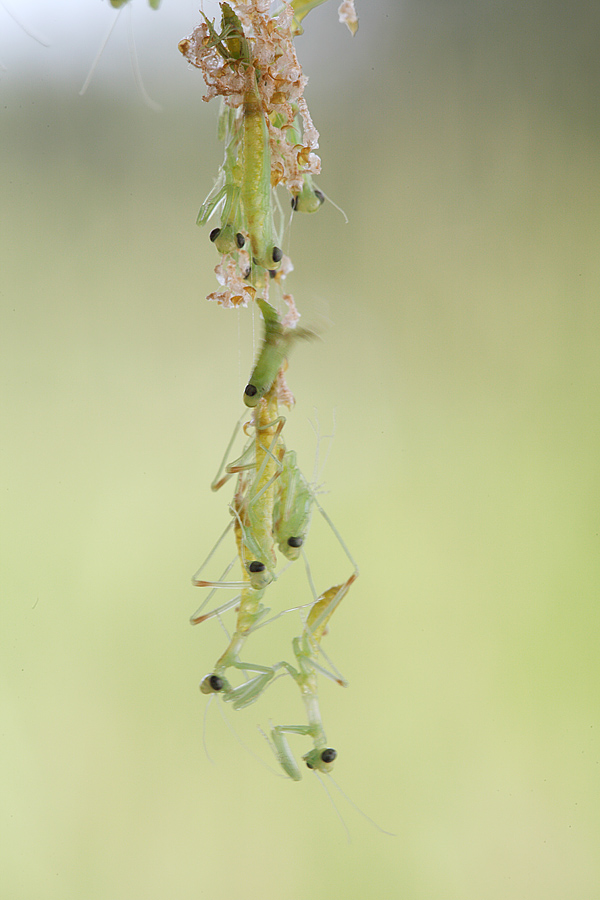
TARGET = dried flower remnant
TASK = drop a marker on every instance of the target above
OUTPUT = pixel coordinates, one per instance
(275, 70)
(292, 317)
(282, 391)
(348, 16)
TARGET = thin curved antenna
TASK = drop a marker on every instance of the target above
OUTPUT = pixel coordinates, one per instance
(359, 810)
(137, 75)
(28, 31)
(90, 74)
(333, 803)
(245, 746)
(339, 208)
(208, 756)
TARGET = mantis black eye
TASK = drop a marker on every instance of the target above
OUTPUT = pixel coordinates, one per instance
(328, 755)
(295, 542)
(215, 234)
(250, 390)
(320, 196)
(256, 566)
(212, 684)
(216, 683)
(276, 255)
(239, 239)
(294, 203)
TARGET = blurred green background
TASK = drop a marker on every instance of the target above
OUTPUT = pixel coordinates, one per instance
(460, 323)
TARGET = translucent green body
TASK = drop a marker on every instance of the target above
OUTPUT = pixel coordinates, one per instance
(275, 348)
(256, 183)
(310, 198)
(270, 359)
(255, 156)
(292, 509)
(229, 237)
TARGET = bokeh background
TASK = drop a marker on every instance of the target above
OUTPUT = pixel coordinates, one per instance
(459, 317)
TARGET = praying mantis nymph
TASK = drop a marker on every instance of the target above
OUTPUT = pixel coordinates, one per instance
(228, 237)
(232, 44)
(258, 504)
(250, 611)
(294, 497)
(306, 649)
(256, 182)
(309, 199)
(292, 508)
(273, 352)
(254, 539)
(252, 505)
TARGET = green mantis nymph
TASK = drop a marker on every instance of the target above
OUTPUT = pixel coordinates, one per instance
(232, 44)
(273, 352)
(254, 539)
(309, 199)
(256, 183)
(301, 9)
(253, 502)
(250, 611)
(259, 501)
(293, 495)
(306, 649)
(228, 237)
(292, 508)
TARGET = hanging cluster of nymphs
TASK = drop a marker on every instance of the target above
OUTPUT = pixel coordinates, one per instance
(249, 60)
